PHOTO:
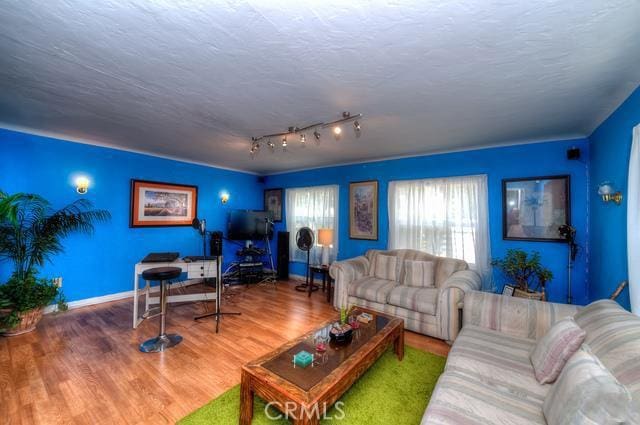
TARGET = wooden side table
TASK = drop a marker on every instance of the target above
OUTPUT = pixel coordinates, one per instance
(326, 278)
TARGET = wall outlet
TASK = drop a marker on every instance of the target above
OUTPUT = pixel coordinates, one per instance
(57, 281)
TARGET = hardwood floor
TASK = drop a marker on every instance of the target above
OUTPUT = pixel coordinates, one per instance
(84, 367)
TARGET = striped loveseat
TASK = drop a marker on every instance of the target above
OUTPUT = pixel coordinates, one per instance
(433, 310)
(489, 379)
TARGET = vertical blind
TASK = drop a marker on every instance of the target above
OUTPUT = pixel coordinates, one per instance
(447, 217)
(315, 207)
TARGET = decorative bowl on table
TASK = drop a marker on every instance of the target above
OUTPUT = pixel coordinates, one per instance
(341, 334)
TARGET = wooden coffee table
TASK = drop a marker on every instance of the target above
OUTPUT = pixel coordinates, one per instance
(305, 394)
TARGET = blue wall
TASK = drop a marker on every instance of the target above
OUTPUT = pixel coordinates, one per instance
(530, 160)
(103, 263)
(610, 149)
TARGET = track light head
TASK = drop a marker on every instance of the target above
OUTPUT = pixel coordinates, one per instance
(303, 139)
(337, 132)
(255, 147)
(316, 134)
(356, 128)
(284, 143)
(271, 146)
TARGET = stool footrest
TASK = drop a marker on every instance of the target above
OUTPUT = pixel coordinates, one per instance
(151, 313)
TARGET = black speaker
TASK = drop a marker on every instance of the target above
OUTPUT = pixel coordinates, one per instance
(573, 153)
(215, 243)
(283, 256)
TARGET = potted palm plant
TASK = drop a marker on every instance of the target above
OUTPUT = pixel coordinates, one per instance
(31, 232)
(525, 272)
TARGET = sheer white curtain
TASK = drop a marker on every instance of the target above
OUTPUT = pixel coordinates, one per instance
(315, 207)
(633, 221)
(447, 217)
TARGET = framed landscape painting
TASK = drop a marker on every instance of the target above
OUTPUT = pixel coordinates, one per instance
(155, 204)
(363, 210)
(533, 208)
(273, 203)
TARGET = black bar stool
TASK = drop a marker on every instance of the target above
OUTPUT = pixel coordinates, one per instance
(162, 341)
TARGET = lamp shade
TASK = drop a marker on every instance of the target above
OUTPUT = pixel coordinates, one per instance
(325, 237)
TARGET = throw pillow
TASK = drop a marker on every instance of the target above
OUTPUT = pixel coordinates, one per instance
(554, 349)
(587, 393)
(385, 267)
(419, 273)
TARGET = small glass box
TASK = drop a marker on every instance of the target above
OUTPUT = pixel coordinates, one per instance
(302, 359)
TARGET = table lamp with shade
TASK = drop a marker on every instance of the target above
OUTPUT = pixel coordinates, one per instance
(325, 240)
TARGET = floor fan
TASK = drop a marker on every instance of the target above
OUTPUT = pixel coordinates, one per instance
(304, 242)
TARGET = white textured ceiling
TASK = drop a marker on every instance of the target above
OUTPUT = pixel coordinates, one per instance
(196, 79)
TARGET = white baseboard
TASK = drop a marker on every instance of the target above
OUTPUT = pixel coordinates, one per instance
(111, 297)
(297, 277)
(91, 301)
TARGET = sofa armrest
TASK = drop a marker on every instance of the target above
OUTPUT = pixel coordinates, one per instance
(450, 295)
(514, 316)
(344, 272)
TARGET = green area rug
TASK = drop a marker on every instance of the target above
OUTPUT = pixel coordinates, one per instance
(391, 392)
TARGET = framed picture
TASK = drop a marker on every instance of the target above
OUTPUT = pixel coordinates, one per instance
(363, 210)
(533, 208)
(508, 290)
(156, 204)
(273, 203)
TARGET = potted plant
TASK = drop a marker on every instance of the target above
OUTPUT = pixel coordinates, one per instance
(31, 232)
(525, 272)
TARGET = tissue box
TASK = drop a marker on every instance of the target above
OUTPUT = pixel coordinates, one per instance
(302, 359)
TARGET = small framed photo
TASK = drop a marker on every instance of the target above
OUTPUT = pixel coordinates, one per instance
(363, 210)
(508, 290)
(273, 203)
(157, 204)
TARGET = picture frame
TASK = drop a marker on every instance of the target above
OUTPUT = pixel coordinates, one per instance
(363, 210)
(534, 207)
(508, 290)
(160, 204)
(273, 203)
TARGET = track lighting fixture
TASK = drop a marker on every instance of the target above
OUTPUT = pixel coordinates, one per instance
(336, 128)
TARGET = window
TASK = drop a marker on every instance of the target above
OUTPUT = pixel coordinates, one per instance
(315, 207)
(445, 217)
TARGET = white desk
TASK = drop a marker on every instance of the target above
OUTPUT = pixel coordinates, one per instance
(194, 270)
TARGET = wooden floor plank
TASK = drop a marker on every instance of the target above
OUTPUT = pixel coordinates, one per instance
(84, 366)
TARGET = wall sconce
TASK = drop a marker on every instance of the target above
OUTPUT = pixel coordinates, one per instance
(82, 185)
(608, 193)
(224, 197)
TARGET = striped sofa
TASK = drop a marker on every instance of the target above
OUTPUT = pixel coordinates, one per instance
(489, 379)
(432, 311)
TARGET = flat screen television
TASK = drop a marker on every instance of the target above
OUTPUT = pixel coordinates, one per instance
(247, 225)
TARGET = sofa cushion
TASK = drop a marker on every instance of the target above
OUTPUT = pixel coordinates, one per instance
(419, 273)
(488, 379)
(586, 392)
(445, 267)
(494, 356)
(414, 298)
(613, 334)
(372, 289)
(554, 349)
(385, 267)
